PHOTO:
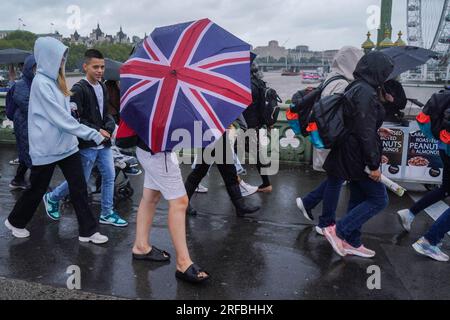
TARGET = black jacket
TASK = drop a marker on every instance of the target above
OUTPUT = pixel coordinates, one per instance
(438, 108)
(363, 146)
(254, 113)
(89, 111)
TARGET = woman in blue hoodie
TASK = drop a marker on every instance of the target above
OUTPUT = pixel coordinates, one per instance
(21, 98)
(53, 141)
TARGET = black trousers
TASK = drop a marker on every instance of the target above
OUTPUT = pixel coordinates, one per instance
(227, 169)
(40, 178)
(265, 178)
(20, 173)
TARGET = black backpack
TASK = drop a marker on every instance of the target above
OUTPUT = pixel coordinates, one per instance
(271, 110)
(328, 117)
(268, 100)
(303, 102)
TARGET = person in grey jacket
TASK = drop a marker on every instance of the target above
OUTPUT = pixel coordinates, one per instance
(53, 141)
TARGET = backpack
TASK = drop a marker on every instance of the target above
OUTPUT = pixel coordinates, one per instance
(327, 124)
(10, 105)
(303, 102)
(271, 110)
(435, 116)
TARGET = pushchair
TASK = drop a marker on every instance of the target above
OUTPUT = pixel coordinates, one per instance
(123, 162)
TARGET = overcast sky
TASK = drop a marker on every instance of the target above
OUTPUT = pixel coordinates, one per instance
(321, 24)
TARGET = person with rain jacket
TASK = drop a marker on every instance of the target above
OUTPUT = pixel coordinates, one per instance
(361, 150)
(52, 137)
(341, 76)
(434, 122)
(21, 98)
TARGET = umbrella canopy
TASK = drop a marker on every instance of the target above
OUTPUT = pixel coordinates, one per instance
(112, 69)
(12, 56)
(185, 82)
(407, 58)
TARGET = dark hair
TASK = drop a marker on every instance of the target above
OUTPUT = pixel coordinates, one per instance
(92, 54)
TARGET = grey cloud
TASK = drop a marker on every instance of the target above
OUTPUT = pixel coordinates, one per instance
(321, 24)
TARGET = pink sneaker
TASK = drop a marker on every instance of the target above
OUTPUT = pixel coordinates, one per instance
(334, 240)
(360, 252)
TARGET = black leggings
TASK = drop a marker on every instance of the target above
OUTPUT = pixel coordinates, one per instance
(40, 178)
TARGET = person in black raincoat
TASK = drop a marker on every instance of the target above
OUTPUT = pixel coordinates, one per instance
(361, 149)
(21, 98)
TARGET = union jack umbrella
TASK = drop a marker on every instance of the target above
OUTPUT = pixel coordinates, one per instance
(182, 74)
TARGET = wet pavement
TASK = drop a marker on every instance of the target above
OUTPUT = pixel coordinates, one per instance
(275, 255)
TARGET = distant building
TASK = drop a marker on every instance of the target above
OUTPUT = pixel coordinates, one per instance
(136, 40)
(272, 50)
(121, 37)
(97, 36)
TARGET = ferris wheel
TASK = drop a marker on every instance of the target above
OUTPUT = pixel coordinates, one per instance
(429, 25)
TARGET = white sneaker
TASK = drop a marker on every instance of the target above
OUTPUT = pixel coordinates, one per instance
(319, 231)
(246, 189)
(96, 238)
(201, 189)
(18, 233)
(306, 213)
(406, 219)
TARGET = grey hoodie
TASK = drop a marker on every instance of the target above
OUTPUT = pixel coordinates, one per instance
(52, 129)
(344, 64)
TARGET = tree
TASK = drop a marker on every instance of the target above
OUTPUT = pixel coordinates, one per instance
(23, 40)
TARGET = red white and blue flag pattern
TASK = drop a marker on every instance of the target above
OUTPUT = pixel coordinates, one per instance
(181, 74)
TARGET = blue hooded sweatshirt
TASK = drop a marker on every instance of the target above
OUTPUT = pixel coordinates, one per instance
(52, 129)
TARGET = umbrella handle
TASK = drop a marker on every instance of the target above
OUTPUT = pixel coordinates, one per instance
(416, 102)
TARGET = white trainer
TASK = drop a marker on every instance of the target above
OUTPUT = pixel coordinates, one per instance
(201, 189)
(96, 238)
(319, 231)
(406, 219)
(18, 233)
(246, 189)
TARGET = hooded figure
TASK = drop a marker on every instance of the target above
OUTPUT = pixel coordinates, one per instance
(52, 129)
(363, 147)
(344, 64)
(21, 98)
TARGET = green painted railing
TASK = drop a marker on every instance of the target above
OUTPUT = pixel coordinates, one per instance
(292, 148)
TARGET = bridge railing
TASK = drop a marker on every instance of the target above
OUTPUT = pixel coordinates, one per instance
(292, 148)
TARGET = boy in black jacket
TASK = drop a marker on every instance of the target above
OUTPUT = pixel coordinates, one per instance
(89, 106)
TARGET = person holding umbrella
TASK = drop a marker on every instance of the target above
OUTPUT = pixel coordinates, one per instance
(162, 179)
(182, 88)
(52, 135)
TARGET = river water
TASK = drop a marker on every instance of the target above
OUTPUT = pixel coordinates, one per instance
(286, 86)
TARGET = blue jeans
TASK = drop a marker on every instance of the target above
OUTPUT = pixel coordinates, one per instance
(367, 199)
(442, 225)
(89, 158)
(328, 192)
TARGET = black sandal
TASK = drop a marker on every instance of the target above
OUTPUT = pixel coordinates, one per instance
(155, 255)
(192, 274)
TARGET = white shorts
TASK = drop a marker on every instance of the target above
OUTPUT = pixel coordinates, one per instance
(162, 173)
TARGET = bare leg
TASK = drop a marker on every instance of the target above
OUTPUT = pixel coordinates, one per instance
(144, 221)
(177, 228)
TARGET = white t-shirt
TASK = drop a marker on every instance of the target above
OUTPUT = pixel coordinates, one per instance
(99, 93)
